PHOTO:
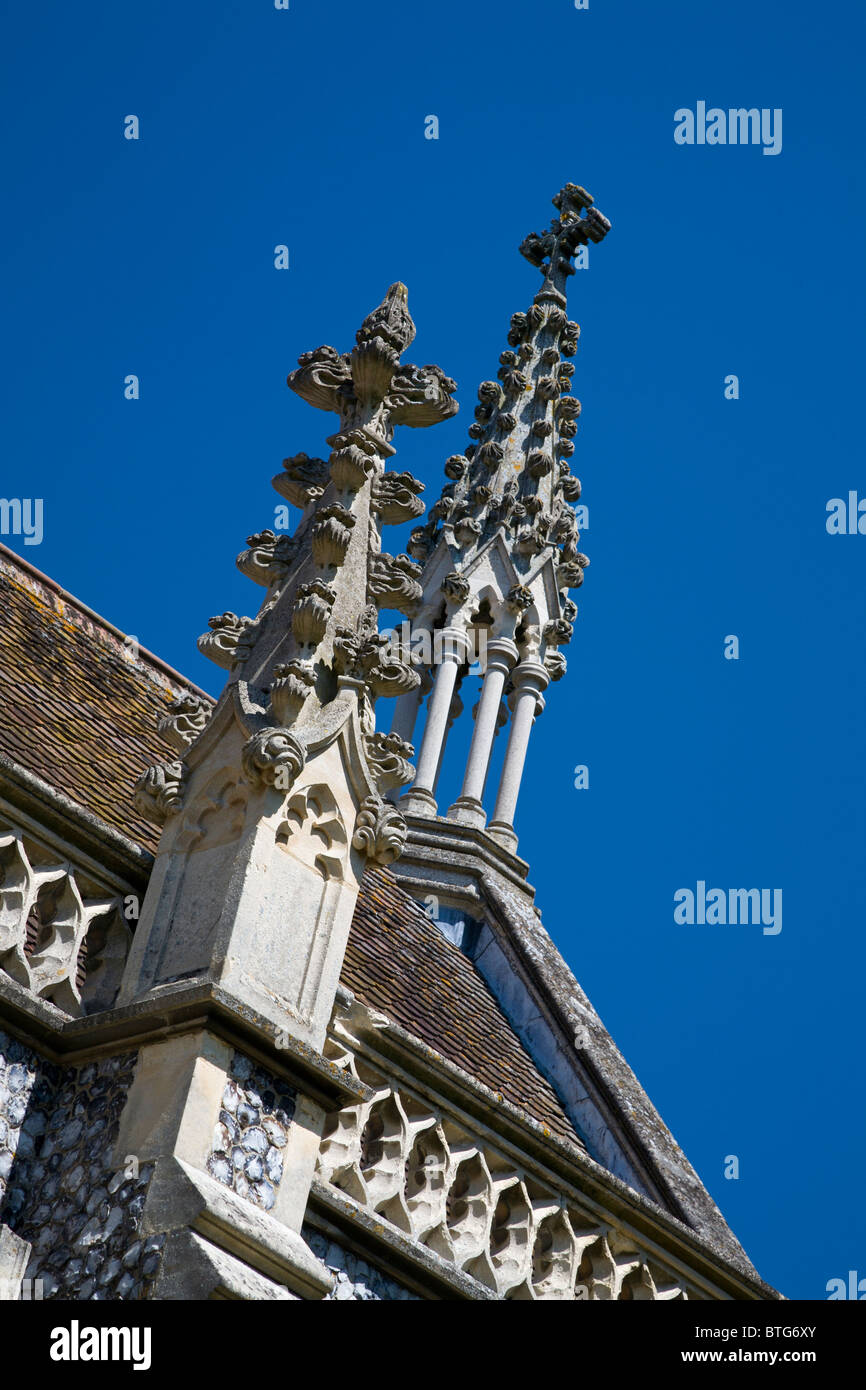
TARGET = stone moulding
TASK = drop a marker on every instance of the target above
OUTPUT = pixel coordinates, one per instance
(72, 833)
(177, 1010)
(182, 1199)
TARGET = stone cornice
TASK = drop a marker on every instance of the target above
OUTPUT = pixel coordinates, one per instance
(445, 847)
(185, 1007)
(70, 821)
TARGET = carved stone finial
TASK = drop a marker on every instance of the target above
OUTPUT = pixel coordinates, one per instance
(369, 388)
(526, 419)
(579, 222)
(390, 321)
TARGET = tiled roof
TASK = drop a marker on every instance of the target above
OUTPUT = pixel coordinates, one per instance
(74, 708)
(398, 961)
(77, 712)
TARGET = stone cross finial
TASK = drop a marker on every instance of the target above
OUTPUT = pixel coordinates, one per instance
(322, 581)
(368, 388)
(312, 659)
(504, 529)
(579, 222)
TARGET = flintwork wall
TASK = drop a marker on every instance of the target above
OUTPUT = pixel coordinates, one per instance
(422, 1171)
(251, 1132)
(64, 1195)
(354, 1279)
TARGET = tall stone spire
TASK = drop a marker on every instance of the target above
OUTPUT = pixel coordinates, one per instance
(275, 802)
(501, 549)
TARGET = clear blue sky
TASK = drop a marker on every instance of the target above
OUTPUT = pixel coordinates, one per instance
(707, 516)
